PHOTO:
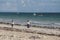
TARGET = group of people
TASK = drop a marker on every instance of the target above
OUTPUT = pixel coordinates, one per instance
(28, 24)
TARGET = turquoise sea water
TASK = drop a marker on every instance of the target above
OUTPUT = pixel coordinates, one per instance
(35, 18)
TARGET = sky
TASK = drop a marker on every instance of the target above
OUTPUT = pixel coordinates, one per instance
(29, 5)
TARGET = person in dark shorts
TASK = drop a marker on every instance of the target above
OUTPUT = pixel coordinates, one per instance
(28, 24)
(12, 23)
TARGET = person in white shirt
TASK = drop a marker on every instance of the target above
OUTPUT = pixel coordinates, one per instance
(28, 23)
(12, 23)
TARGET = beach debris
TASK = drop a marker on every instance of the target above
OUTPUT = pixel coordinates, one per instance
(11, 35)
(0, 35)
(34, 37)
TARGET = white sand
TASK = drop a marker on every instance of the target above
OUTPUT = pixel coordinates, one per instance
(42, 30)
(13, 35)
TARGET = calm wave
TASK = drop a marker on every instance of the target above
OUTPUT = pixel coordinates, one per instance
(35, 18)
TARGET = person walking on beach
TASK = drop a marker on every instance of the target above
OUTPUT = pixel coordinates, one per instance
(28, 24)
(12, 23)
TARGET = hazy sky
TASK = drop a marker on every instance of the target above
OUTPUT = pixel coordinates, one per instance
(29, 5)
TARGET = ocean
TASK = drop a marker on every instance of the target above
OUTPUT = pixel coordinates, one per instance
(41, 19)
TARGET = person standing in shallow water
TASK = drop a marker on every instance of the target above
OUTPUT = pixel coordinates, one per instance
(28, 24)
(12, 24)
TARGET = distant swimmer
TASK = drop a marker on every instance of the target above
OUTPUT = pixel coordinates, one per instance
(34, 14)
(41, 15)
(28, 24)
(18, 13)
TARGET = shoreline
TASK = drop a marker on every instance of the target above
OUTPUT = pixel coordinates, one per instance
(48, 27)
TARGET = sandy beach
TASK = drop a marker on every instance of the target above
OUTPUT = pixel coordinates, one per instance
(24, 33)
(29, 19)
